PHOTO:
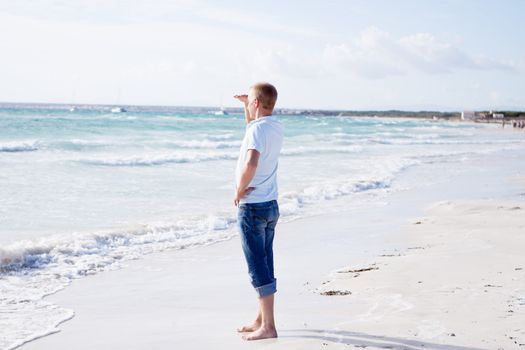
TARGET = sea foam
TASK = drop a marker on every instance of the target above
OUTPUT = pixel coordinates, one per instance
(19, 146)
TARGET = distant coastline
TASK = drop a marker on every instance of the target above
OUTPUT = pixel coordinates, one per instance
(432, 115)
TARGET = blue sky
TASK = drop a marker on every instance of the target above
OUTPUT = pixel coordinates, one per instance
(414, 55)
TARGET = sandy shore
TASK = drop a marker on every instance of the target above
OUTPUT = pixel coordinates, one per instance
(196, 298)
(461, 281)
(451, 277)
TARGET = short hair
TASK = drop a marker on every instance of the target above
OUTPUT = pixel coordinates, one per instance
(266, 93)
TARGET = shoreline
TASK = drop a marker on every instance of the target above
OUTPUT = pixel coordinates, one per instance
(168, 298)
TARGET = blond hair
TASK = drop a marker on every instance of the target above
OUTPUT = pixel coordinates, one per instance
(266, 93)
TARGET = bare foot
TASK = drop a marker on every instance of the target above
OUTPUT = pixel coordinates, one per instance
(261, 333)
(255, 326)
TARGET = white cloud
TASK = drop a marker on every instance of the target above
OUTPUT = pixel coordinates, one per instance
(376, 54)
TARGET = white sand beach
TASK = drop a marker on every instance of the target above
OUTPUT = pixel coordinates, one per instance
(444, 269)
(461, 282)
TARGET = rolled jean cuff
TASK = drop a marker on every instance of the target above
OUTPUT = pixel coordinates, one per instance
(267, 289)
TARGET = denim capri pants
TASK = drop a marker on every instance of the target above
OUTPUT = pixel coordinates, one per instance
(257, 223)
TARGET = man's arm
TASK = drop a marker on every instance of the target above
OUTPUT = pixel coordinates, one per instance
(248, 172)
(244, 100)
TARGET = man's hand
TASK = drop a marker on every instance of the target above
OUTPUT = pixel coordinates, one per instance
(242, 194)
(242, 98)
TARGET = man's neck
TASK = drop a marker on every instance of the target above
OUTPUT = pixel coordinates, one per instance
(262, 114)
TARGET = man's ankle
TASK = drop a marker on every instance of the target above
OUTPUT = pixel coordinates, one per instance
(269, 326)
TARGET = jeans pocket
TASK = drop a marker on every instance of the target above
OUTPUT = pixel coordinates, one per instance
(263, 213)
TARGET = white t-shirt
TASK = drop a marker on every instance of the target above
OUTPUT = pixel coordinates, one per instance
(266, 136)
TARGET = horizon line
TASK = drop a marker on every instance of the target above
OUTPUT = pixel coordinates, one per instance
(443, 110)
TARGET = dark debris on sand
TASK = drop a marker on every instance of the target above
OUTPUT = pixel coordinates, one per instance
(370, 268)
(336, 292)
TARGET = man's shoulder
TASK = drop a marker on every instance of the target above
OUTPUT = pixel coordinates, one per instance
(270, 122)
(255, 128)
(265, 126)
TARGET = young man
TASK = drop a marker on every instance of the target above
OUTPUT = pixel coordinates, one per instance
(256, 197)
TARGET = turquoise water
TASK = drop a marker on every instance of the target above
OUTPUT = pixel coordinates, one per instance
(82, 191)
(85, 171)
(96, 170)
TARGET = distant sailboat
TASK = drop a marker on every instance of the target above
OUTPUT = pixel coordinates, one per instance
(73, 108)
(118, 109)
(220, 112)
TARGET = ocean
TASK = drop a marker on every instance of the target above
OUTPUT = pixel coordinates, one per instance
(81, 192)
